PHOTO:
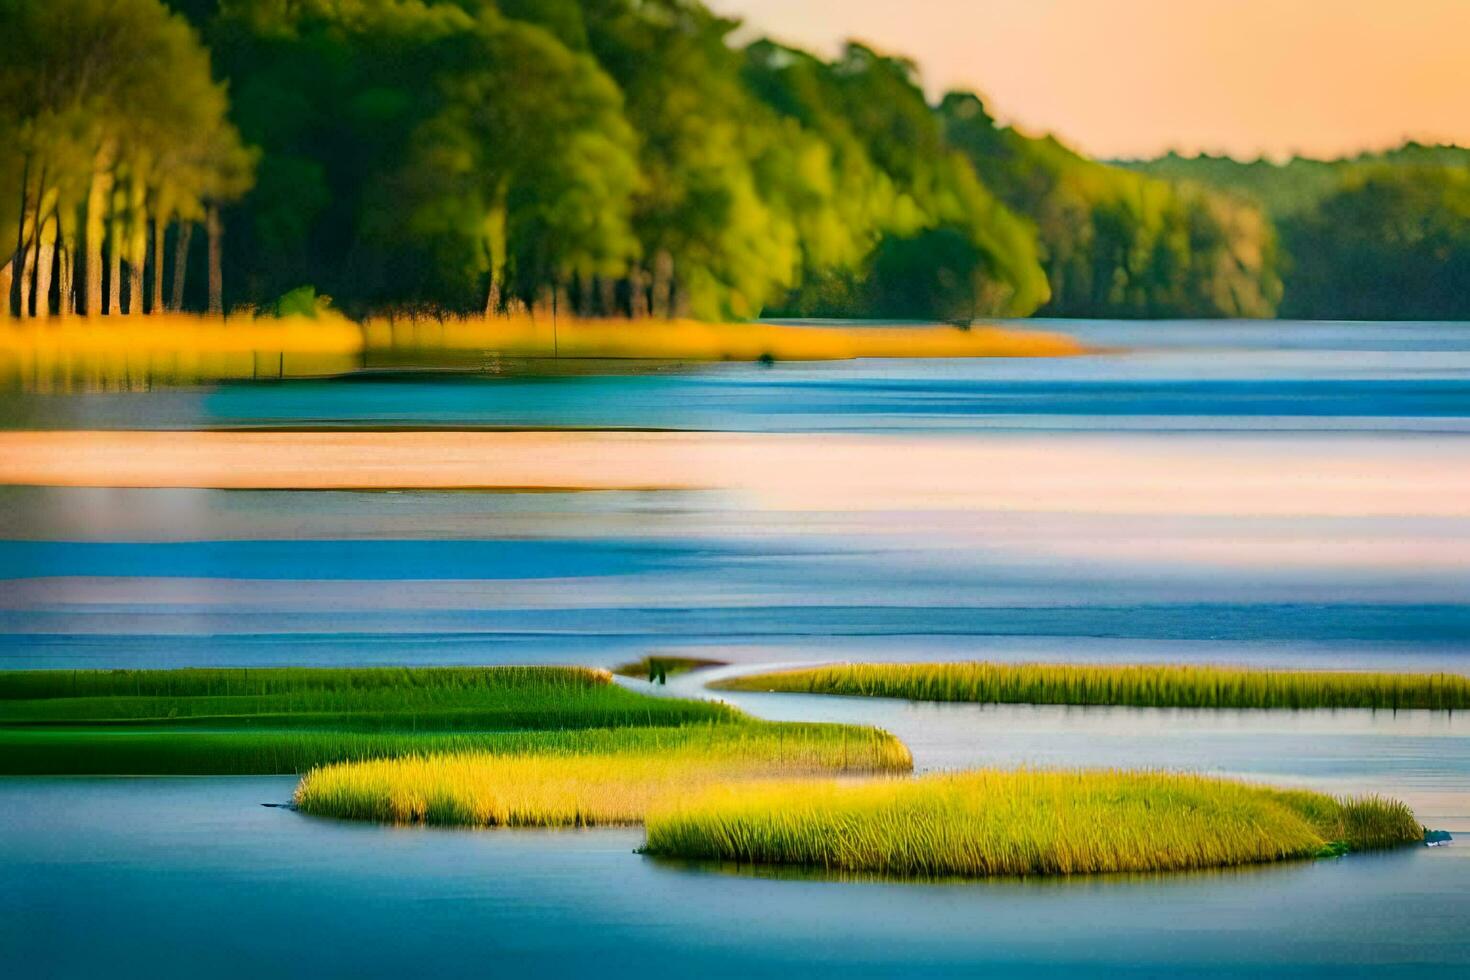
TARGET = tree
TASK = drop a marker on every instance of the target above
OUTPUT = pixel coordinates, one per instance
(1392, 243)
(111, 109)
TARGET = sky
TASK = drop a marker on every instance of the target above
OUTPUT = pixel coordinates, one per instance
(1128, 78)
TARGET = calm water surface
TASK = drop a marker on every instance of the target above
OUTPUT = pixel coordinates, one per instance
(188, 877)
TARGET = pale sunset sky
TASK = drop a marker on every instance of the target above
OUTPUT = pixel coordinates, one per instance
(1138, 77)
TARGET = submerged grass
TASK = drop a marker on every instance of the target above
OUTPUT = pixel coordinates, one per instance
(355, 699)
(1158, 686)
(1020, 823)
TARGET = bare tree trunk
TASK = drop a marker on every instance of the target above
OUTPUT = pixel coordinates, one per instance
(663, 284)
(27, 277)
(492, 295)
(28, 258)
(114, 268)
(136, 251)
(14, 292)
(66, 274)
(45, 254)
(181, 263)
(7, 281)
(155, 298)
(216, 243)
(98, 193)
(114, 254)
(135, 288)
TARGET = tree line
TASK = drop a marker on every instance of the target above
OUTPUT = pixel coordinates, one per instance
(1373, 236)
(605, 157)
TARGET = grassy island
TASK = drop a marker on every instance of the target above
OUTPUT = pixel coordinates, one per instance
(1022, 823)
(1153, 686)
(287, 720)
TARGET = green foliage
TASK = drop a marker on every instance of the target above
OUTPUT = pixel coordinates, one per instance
(627, 157)
(109, 120)
(1157, 686)
(1376, 236)
(1118, 243)
(1022, 823)
(1390, 243)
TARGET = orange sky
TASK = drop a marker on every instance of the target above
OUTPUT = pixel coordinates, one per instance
(1137, 77)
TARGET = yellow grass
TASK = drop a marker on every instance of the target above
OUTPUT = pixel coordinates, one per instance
(1143, 685)
(692, 340)
(103, 353)
(1020, 823)
(484, 790)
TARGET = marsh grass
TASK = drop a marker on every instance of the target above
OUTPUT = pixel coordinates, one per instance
(155, 722)
(1019, 823)
(108, 353)
(139, 752)
(690, 340)
(361, 699)
(578, 789)
(1158, 686)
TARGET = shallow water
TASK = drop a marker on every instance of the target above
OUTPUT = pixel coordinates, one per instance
(1364, 563)
(176, 877)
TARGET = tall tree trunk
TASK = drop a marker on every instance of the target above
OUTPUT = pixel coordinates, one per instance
(40, 302)
(216, 242)
(45, 254)
(155, 298)
(135, 252)
(27, 269)
(663, 284)
(7, 280)
(65, 274)
(66, 250)
(13, 294)
(492, 295)
(135, 288)
(99, 191)
(114, 252)
(181, 263)
(114, 266)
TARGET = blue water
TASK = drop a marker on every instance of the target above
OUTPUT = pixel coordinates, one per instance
(189, 877)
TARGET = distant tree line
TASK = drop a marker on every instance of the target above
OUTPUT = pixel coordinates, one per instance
(604, 157)
(1376, 236)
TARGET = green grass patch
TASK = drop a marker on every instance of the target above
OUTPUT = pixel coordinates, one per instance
(135, 752)
(1020, 823)
(237, 722)
(1154, 686)
(359, 699)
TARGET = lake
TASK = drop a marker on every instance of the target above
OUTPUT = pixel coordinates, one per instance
(1270, 494)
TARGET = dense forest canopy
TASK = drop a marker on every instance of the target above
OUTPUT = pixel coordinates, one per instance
(628, 158)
